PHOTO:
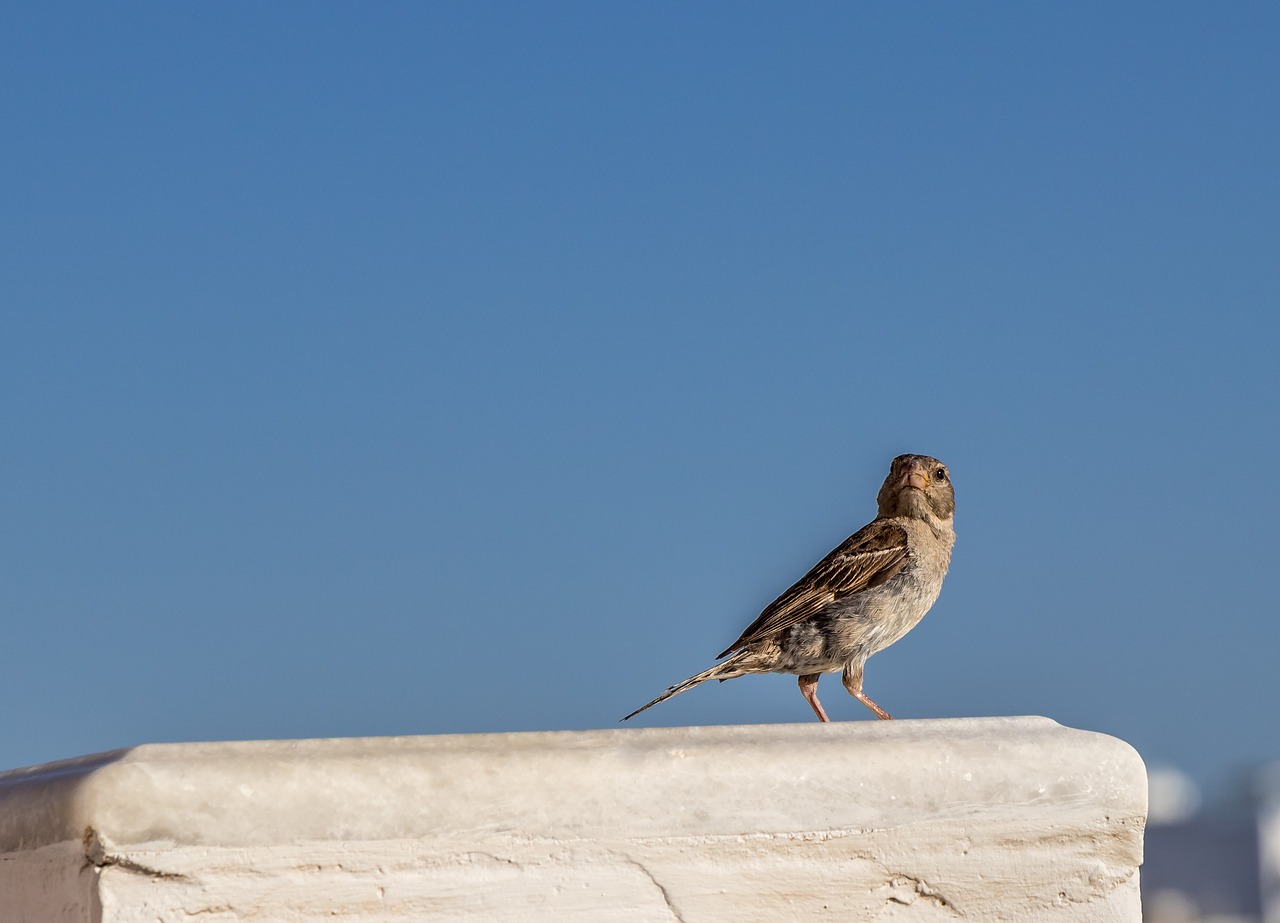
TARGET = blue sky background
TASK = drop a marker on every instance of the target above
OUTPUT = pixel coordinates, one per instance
(424, 368)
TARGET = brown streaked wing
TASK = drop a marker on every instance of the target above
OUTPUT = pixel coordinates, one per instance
(866, 559)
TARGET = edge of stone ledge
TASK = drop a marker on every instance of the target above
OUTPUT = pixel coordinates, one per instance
(637, 782)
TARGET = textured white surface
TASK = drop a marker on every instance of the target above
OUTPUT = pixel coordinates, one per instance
(989, 818)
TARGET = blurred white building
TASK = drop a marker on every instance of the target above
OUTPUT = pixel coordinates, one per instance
(1211, 869)
(1268, 788)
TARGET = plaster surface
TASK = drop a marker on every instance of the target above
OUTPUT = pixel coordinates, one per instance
(984, 818)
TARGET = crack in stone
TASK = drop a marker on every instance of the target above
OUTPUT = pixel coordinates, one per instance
(666, 897)
(96, 854)
(129, 865)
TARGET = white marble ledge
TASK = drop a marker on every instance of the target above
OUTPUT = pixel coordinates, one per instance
(710, 781)
(982, 818)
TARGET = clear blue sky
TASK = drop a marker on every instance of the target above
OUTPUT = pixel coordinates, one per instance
(422, 368)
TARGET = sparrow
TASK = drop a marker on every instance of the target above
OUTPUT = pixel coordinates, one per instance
(863, 596)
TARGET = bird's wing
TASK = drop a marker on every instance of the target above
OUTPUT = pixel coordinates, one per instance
(866, 559)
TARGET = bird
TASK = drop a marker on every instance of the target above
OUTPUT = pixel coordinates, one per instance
(862, 597)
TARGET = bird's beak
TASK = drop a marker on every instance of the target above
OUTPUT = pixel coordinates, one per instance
(915, 477)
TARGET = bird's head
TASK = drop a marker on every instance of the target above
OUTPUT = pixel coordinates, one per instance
(918, 486)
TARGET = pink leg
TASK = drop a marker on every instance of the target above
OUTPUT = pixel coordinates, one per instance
(852, 680)
(809, 688)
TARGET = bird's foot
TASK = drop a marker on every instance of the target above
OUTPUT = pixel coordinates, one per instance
(809, 688)
(855, 690)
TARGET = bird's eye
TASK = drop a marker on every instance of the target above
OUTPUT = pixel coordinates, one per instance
(940, 474)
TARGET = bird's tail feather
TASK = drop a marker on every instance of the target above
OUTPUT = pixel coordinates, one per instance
(721, 671)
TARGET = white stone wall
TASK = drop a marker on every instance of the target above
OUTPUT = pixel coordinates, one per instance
(983, 818)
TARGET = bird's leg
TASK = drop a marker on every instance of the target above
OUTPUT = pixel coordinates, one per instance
(809, 688)
(852, 680)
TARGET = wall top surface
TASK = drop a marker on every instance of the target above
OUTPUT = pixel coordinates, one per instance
(631, 783)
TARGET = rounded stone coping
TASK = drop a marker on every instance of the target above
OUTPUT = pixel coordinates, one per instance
(621, 784)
